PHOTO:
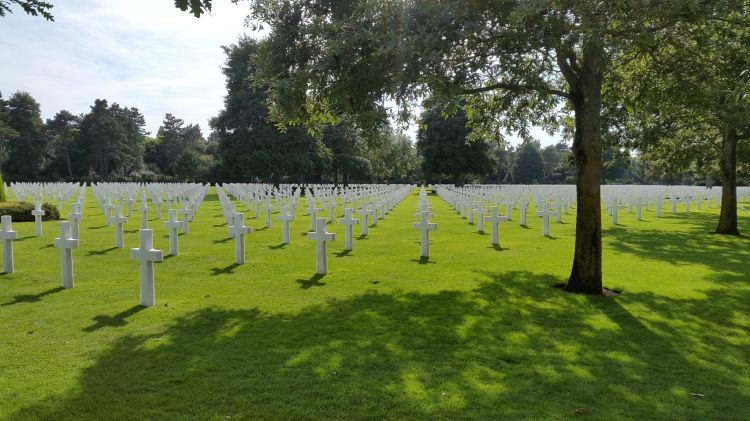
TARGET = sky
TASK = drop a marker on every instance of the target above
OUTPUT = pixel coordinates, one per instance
(138, 53)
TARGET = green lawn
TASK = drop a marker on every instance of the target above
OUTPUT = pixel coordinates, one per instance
(473, 333)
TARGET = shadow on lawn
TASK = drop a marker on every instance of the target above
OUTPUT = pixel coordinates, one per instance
(32, 298)
(513, 348)
(695, 244)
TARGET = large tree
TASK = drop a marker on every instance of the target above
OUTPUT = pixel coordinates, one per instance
(513, 61)
(27, 150)
(249, 146)
(62, 132)
(696, 104)
(111, 139)
(529, 164)
(32, 7)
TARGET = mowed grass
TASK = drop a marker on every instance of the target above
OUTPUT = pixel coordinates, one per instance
(473, 333)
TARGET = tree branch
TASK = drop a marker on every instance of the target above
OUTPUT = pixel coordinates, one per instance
(516, 88)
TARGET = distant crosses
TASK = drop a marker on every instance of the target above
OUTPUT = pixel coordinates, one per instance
(119, 222)
(66, 243)
(558, 211)
(424, 226)
(321, 237)
(365, 214)
(38, 213)
(239, 230)
(494, 219)
(545, 214)
(349, 222)
(7, 235)
(174, 237)
(75, 217)
(286, 218)
(147, 255)
(157, 200)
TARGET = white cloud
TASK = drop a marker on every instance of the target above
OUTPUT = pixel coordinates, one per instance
(139, 53)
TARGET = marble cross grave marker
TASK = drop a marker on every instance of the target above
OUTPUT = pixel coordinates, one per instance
(7, 235)
(66, 243)
(425, 226)
(147, 255)
(349, 222)
(321, 237)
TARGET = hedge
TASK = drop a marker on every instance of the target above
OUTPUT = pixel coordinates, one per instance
(21, 211)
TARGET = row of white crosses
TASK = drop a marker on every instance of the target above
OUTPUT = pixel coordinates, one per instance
(375, 202)
(639, 199)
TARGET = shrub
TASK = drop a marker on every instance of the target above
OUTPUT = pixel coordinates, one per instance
(21, 211)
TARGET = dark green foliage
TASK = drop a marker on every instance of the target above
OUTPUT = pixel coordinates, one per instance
(347, 152)
(27, 148)
(448, 153)
(32, 7)
(21, 211)
(110, 140)
(529, 165)
(3, 195)
(249, 147)
(178, 151)
(62, 132)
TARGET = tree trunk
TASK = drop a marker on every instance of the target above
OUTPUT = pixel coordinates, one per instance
(586, 274)
(728, 216)
(67, 161)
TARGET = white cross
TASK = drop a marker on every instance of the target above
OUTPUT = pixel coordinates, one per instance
(38, 212)
(332, 209)
(7, 235)
(545, 214)
(286, 217)
(425, 226)
(147, 255)
(615, 207)
(349, 222)
(130, 201)
(120, 222)
(185, 213)
(365, 214)
(172, 225)
(267, 207)
(480, 220)
(107, 210)
(659, 203)
(321, 237)
(239, 230)
(373, 213)
(639, 208)
(157, 201)
(508, 208)
(524, 209)
(558, 210)
(75, 217)
(66, 244)
(494, 218)
(144, 217)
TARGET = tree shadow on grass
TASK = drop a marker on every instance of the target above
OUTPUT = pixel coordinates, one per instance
(278, 246)
(118, 320)
(222, 241)
(32, 298)
(511, 348)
